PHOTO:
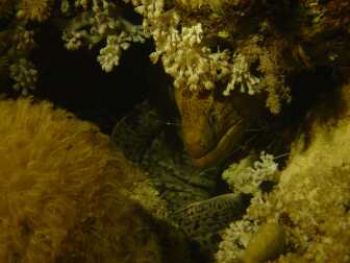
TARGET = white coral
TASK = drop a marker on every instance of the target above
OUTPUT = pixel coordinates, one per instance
(192, 65)
(242, 77)
(109, 55)
(247, 175)
(185, 47)
(102, 22)
(235, 240)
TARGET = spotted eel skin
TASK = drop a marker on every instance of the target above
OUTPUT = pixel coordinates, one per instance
(196, 205)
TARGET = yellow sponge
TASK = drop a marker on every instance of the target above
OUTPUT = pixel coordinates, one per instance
(63, 192)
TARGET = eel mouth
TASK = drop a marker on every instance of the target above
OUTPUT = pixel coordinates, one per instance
(222, 149)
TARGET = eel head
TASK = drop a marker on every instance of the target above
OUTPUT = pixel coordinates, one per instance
(212, 125)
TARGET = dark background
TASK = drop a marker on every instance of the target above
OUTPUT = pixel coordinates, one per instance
(75, 81)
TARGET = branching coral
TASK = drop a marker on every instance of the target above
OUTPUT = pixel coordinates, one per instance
(198, 51)
(24, 74)
(248, 175)
(16, 45)
(219, 44)
(250, 46)
(242, 45)
(100, 21)
(83, 23)
(17, 40)
(66, 197)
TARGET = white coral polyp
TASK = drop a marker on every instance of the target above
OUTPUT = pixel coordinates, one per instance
(245, 177)
(110, 55)
(192, 65)
(241, 77)
(235, 240)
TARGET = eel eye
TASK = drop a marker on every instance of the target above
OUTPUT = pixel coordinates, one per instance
(212, 118)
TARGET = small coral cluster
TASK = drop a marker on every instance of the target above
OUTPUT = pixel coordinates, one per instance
(19, 20)
(83, 24)
(65, 197)
(96, 22)
(200, 50)
(247, 175)
(307, 212)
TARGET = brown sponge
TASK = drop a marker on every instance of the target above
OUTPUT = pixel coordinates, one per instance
(63, 193)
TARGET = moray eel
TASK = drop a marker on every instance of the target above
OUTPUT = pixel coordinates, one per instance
(213, 125)
(193, 194)
(203, 221)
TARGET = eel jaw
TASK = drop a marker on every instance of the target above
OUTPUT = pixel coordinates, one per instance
(223, 147)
